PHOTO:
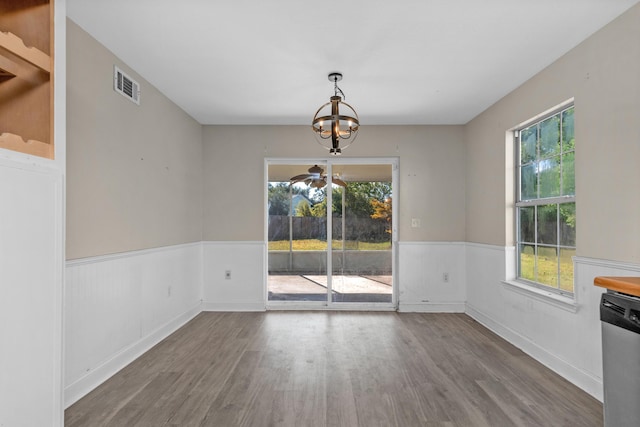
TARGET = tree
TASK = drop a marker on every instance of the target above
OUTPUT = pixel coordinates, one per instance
(382, 210)
(303, 209)
(359, 195)
(319, 210)
(279, 197)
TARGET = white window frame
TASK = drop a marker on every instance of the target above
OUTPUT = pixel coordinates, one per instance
(539, 287)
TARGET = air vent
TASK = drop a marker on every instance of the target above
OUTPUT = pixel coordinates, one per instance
(126, 86)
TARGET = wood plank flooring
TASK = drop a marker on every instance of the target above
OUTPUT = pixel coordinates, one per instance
(335, 369)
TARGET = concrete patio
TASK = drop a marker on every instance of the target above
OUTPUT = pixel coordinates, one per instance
(345, 288)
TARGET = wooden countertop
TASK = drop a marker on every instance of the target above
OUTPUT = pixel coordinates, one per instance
(626, 285)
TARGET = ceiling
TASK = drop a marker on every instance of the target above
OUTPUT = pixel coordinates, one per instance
(404, 62)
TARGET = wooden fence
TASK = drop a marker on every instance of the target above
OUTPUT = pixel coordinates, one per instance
(309, 227)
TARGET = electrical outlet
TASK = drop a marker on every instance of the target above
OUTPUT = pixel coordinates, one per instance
(445, 277)
(415, 222)
(227, 274)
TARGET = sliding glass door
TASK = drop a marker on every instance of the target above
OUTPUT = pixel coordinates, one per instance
(296, 234)
(329, 231)
(361, 268)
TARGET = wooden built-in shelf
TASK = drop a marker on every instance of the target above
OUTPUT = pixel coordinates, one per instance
(32, 146)
(26, 76)
(14, 44)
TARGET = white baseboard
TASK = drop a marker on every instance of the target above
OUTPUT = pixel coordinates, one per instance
(580, 378)
(97, 376)
(432, 307)
(233, 306)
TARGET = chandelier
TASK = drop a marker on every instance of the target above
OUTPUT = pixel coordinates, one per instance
(332, 126)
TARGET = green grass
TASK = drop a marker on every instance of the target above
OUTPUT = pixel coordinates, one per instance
(320, 245)
(548, 267)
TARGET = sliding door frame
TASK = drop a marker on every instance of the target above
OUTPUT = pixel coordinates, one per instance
(327, 164)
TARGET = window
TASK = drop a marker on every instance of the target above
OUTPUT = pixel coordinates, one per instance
(546, 203)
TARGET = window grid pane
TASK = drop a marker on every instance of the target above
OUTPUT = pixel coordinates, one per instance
(568, 138)
(527, 228)
(547, 263)
(549, 176)
(527, 262)
(529, 138)
(567, 225)
(566, 269)
(568, 174)
(547, 222)
(549, 137)
(528, 182)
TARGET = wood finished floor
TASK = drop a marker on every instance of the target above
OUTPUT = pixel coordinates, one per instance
(335, 369)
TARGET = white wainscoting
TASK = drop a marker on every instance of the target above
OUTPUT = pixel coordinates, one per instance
(566, 341)
(421, 269)
(244, 291)
(420, 276)
(31, 276)
(119, 306)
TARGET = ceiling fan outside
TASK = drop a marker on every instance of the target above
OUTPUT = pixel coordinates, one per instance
(316, 178)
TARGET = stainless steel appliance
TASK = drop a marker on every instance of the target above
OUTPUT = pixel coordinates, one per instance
(620, 318)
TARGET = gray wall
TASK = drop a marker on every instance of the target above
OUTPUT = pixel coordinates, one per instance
(602, 74)
(134, 172)
(149, 176)
(431, 187)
